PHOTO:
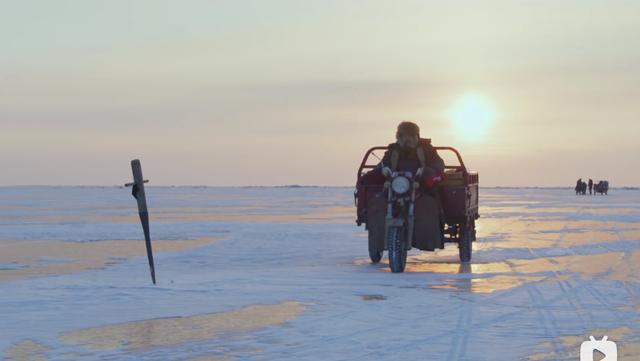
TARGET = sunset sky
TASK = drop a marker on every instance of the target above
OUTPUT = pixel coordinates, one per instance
(293, 92)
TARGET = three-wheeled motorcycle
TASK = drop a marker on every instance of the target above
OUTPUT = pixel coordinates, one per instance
(399, 215)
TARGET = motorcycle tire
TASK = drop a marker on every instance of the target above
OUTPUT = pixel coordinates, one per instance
(465, 242)
(397, 249)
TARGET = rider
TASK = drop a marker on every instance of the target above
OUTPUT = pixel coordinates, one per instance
(408, 154)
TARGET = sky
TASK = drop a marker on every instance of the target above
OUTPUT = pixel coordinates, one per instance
(293, 92)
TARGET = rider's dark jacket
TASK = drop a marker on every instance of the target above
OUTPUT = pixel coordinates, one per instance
(409, 161)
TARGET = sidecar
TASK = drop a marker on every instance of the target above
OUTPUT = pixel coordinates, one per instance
(456, 199)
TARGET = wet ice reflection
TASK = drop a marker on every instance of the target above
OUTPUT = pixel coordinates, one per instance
(174, 331)
(550, 242)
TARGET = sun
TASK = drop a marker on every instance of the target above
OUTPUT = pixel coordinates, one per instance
(472, 117)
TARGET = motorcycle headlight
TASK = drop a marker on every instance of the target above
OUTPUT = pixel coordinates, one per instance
(400, 185)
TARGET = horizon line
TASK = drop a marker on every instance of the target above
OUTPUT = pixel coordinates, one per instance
(272, 186)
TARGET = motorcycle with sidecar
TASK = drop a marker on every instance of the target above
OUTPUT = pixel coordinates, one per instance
(399, 215)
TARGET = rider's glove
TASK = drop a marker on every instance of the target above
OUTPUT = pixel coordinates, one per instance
(386, 171)
(432, 180)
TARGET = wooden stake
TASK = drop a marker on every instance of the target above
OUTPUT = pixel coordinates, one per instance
(139, 195)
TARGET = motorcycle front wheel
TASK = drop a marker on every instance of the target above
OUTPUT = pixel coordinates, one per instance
(397, 249)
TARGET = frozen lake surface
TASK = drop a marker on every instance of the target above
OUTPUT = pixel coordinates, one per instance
(283, 274)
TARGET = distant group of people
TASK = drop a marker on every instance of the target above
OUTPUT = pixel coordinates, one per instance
(601, 187)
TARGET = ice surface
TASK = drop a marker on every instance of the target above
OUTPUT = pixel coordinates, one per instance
(288, 278)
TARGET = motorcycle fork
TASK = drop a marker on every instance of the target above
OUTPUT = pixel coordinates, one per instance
(391, 221)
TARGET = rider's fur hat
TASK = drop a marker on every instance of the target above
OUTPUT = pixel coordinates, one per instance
(409, 128)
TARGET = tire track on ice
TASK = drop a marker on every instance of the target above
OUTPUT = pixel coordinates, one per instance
(461, 336)
(545, 317)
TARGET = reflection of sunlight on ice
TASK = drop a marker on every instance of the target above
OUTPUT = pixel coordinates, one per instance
(419, 264)
(26, 350)
(179, 330)
(510, 224)
(488, 277)
(173, 331)
(487, 284)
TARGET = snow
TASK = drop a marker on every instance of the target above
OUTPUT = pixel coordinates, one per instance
(549, 269)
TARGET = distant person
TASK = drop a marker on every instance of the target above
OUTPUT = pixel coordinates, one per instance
(578, 186)
(601, 187)
(590, 186)
(581, 187)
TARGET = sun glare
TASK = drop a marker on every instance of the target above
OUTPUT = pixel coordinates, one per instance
(471, 117)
